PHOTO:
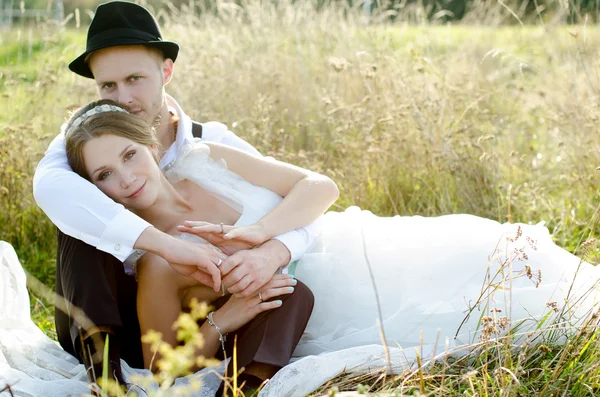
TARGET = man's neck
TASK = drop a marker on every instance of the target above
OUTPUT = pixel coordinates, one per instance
(166, 131)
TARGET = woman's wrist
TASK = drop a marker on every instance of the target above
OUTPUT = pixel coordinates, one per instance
(221, 332)
(219, 320)
(266, 232)
(153, 240)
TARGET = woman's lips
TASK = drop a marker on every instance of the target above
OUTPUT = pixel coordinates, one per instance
(138, 192)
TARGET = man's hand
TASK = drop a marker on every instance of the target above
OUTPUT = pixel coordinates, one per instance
(199, 261)
(246, 271)
(190, 259)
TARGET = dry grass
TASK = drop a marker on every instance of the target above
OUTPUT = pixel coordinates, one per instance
(501, 122)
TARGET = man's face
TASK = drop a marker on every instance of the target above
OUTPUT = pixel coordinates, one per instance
(133, 76)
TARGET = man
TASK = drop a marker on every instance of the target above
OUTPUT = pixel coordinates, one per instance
(131, 64)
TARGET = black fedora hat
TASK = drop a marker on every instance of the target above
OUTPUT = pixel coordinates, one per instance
(122, 23)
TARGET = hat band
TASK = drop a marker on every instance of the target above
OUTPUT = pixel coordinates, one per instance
(97, 40)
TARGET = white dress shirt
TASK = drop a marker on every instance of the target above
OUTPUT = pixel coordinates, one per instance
(79, 209)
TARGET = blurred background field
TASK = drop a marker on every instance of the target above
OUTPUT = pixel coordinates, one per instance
(411, 110)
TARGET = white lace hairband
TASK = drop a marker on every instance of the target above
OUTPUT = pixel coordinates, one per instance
(97, 110)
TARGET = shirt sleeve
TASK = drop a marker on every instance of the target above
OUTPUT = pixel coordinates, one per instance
(297, 241)
(79, 209)
(217, 132)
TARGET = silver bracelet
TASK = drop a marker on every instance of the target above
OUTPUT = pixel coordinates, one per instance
(222, 337)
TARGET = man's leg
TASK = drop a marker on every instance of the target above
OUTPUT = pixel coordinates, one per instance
(267, 343)
(96, 283)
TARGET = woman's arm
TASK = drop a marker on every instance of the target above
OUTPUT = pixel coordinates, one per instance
(160, 300)
(163, 293)
(307, 195)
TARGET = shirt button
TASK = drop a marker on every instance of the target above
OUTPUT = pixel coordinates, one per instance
(117, 247)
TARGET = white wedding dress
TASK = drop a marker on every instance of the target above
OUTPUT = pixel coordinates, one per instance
(423, 275)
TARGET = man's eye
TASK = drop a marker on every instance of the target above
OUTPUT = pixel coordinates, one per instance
(135, 78)
(108, 86)
(103, 175)
(129, 155)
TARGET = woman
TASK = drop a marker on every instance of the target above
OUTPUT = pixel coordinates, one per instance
(406, 280)
(119, 153)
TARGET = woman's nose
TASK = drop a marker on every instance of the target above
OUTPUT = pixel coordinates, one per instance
(127, 179)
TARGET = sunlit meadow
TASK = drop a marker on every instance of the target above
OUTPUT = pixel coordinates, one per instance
(493, 117)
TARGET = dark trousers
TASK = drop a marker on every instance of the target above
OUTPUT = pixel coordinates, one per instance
(96, 282)
(271, 337)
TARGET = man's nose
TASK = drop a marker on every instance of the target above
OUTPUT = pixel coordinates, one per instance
(125, 97)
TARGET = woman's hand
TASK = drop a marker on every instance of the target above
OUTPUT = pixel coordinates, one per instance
(237, 312)
(251, 235)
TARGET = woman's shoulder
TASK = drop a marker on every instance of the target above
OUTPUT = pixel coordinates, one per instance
(196, 148)
(192, 158)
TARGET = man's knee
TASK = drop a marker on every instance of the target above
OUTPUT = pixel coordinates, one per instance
(302, 297)
(70, 250)
(87, 287)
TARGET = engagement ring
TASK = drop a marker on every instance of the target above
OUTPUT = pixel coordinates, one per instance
(260, 297)
(219, 262)
(222, 229)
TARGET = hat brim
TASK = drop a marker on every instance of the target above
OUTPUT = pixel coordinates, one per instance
(81, 67)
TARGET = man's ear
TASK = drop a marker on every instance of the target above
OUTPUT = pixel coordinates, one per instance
(167, 68)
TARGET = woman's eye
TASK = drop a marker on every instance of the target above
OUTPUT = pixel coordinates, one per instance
(103, 175)
(129, 155)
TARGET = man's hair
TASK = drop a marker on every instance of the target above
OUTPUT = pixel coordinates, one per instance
(123, 124)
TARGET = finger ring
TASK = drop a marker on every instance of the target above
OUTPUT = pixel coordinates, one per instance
(260, 297)
(219, 262)
(222, 228)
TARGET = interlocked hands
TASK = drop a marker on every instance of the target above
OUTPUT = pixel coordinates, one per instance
(252, 257)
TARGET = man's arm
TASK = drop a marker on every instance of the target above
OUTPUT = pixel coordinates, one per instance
(214, 131)
(246, 271)
(80, 209)
(297, 241)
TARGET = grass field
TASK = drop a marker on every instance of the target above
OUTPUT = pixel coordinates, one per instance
(500, 122)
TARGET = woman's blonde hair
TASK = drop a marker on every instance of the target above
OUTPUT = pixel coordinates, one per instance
(81, 129)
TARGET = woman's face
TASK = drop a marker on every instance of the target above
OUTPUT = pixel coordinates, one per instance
(123, 170)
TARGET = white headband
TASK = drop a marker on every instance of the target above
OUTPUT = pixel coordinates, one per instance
(97, 110)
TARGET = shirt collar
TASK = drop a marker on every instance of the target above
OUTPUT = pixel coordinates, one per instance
(184, 132)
